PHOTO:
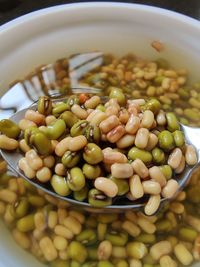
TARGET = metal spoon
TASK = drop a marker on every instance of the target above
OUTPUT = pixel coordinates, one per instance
(192, 136)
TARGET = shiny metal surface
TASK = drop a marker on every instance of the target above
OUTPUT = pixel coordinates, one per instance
(191, 135)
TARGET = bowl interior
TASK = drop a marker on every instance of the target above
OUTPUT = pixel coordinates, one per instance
(47, 35)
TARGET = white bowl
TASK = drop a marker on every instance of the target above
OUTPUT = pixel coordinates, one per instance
(48, 34)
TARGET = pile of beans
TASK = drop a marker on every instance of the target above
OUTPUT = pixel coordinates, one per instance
(61, 236)
(101, 151)
(137, 77)
(171, 238)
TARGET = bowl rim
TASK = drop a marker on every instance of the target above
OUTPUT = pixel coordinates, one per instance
(178, 17)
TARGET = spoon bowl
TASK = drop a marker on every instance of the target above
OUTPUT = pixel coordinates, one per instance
(119, 204)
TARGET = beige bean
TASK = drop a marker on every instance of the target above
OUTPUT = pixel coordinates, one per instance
(175, 157)
(62, 214)
(8, 143)
(62, 146)
(49, 161)
(40, 220)
(152, 205)
(79, 112)
(151, 187)
(167, 261)
(60, 242)
(181, 196)
(104, 250)
(141, 138)
(121, 170)
(64, 254)
(172, 218)
(108, 124)
(77, 215)
(8, 196)
(28, 171)
(170, 73)
(130, 196)
(156, 175)
(77, 143)
(140, 168)
(170, 189)
(119, 252)
(132, 229)
(112, 110)
(132, 109)
(73, 224)
(115, 134)
(152, 142)
(133, 124)
(146, 225)
(23, 146)
(50, 119)
(107, 186)
(110, 156)
(123, 116)
(38, 234)
(126, 141)
(24, 124)
(60, 169)
(42, 128)
(92, 113)
(44, 174)
(112, 102)
(136, 187)
(130, 215)
(160, 249)
(92, 102)
(51, 199)
(183, 254)
(22, 239)
(190, 155)
(63, 231)
(34, 116)
(52, 219)
(48, 249)
(54, 144)
(160, 118)
(97, 118)
(177, 207)
(193, 221)
(138, 102)
(166, 83)
(151, 219)
(147, 119)
(33, 160)
(181, 166)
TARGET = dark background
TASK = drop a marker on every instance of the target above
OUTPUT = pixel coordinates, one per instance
(10, 9)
